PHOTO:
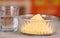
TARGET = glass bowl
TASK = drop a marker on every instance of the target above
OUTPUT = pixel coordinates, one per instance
(37, 27)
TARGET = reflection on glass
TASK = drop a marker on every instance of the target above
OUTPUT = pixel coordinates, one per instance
(7, 22)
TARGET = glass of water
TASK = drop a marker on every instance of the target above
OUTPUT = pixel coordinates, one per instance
(9, 18)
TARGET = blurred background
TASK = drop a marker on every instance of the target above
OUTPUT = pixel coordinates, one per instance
(10, 10)
(50, 7)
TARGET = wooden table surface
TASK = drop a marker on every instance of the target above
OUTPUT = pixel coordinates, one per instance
(16, 35)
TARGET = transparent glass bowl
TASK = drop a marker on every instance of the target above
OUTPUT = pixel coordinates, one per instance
(9, 10)
(9, 23)
(36, 27)
(9, 17)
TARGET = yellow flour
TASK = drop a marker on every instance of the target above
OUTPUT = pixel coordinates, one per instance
(37, 25)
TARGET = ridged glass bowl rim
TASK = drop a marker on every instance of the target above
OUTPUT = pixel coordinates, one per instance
(54, 18)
